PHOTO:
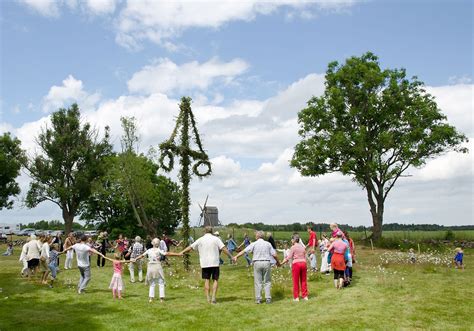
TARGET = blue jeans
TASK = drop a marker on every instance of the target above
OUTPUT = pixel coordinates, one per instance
(249, 260)
(54, 269)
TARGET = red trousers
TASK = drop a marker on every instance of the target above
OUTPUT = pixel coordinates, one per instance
(298, 270)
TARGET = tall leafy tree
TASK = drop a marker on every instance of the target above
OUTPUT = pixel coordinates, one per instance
(71, 159)
(131, 196)
(11, 159)
(371, 124)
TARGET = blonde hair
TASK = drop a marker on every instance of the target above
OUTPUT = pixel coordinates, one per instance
(458, 249)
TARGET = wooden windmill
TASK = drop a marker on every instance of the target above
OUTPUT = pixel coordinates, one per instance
(209, 215)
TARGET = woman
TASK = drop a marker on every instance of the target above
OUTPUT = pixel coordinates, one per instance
(338, 264)
(298, 269)
(102, 248)
(155, 274)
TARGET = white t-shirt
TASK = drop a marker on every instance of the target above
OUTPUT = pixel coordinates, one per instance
(82, 254)
(209, 248)
(153, 255)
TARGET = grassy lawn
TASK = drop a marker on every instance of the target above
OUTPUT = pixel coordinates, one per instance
(383, 296)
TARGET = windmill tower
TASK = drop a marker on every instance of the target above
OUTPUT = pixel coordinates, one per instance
(209, 215)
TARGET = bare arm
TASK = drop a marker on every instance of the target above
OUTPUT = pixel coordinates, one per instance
(187, 249)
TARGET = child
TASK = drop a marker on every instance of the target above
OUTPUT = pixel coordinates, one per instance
(411, 255)
(323, 248)
(285, 252)
(116, 284)
(458, 258)
(53, 263)
(9, 250)
(155, 274)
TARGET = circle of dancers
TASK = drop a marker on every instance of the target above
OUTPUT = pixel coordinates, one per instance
(337, 254)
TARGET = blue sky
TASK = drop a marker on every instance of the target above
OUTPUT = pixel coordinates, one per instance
(260, 63)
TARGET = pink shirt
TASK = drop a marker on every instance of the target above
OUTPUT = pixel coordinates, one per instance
(338, 246)
(117, 267)
(297, 253)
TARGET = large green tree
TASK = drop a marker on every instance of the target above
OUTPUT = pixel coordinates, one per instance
(371, 124)
(71, 158)
(11, 159)
(131, 197)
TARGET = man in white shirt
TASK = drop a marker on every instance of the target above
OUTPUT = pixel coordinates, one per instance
(262, 268)
(82, 254)
(209, 248)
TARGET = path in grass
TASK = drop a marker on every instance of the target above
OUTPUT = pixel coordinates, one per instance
(395, 296)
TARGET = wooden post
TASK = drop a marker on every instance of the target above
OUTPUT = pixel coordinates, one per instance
(419, 250)
(365, 230)
(372, 243)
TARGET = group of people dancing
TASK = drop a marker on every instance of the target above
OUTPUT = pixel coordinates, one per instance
(41, 255)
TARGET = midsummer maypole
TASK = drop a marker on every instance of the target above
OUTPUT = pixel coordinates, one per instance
(185, 130)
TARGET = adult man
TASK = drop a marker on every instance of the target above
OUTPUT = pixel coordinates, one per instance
(262, 269)
(83, 263)
(70, 254)
(136, 250)
(312, 243)
(209, 248)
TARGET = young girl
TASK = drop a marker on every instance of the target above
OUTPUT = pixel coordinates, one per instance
(53, 263)
(458, 258)
(116, 284)
(155, 274)
(338, 264)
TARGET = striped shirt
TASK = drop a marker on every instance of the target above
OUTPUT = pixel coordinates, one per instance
(262, 250)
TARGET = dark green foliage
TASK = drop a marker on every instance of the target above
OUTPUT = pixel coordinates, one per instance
(71, 160)
(11, 159)
(371, 124)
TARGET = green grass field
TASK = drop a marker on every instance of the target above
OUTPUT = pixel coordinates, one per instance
(385, 295)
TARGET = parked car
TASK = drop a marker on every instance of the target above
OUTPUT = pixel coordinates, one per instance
(26, 232)
(90, 233)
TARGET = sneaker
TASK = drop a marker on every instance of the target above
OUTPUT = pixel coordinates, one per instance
(150, 300)
(258, 301)
(305, 299)
(268, 301)
(213, 302)
(296, 300)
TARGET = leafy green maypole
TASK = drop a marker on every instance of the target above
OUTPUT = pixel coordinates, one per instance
(186, 128)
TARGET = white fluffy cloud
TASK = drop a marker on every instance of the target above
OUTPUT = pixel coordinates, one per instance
(166, 76)
(157, 21)
(49, 8)
(162, 21)
(101, 7)
(71, 90)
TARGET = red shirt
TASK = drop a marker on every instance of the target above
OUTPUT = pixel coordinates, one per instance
(313, 241)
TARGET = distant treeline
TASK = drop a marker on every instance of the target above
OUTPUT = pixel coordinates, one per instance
(324, 227)
(53, 225)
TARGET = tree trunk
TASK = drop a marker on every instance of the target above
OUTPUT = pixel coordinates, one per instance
(376, 203)
(68, 219)
(377, 221)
